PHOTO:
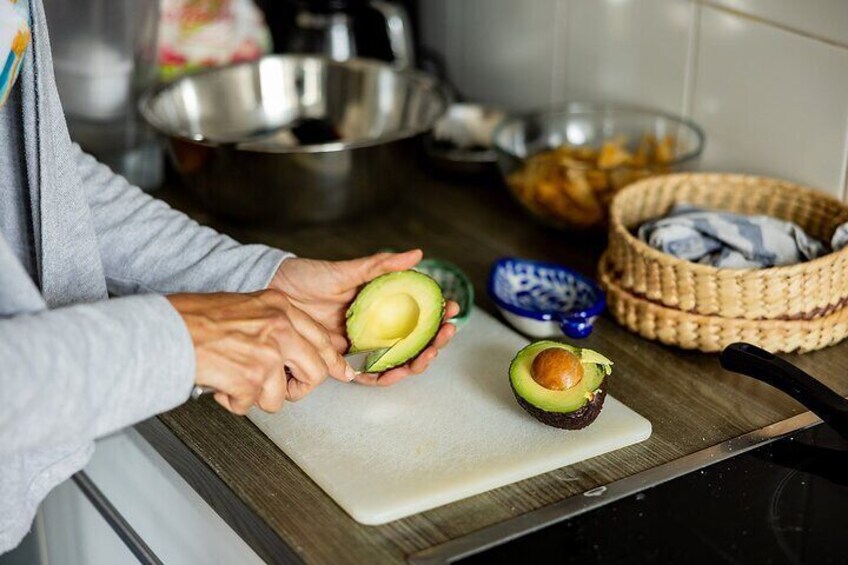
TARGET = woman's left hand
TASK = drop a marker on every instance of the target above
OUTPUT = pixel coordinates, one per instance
(325, 289)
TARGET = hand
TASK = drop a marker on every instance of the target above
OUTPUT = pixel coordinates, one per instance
(325, 289)
(258, 349)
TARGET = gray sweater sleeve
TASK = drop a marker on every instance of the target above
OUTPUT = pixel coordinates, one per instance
(60, 377)
(146, 246)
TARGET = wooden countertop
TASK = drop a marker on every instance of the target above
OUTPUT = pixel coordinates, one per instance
(691, 402)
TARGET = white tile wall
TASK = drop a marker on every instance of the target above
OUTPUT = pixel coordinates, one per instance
(827, 19)
(520, 69)
(493, 56)
(770, 101)
(631, 52)
(768, 79)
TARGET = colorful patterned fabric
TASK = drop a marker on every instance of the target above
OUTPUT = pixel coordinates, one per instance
(14, 40)
(195, 34)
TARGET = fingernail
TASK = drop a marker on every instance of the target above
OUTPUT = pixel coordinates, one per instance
(350, 373)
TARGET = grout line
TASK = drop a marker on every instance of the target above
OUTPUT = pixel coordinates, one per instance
(772, 23)
(692, 50)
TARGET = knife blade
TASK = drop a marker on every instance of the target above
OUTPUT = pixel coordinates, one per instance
(355, 360)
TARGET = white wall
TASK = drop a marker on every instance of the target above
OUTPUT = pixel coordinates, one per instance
(766, 79)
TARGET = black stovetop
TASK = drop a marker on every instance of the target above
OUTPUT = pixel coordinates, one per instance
(785, 502)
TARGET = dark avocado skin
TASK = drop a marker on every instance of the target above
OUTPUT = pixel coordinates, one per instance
(576, 420)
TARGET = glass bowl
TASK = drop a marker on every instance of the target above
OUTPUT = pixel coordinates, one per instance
(564, 166)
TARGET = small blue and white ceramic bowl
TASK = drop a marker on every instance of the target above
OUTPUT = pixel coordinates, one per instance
(545, 300)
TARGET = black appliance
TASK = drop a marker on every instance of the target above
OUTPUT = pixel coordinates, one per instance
(783, 503)
(343, 29)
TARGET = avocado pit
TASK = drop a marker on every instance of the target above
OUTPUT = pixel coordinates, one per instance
(556, 369)
(560, 385)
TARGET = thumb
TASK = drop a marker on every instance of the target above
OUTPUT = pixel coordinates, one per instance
(369, 268)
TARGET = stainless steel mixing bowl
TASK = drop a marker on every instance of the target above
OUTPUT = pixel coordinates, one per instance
(287, 140)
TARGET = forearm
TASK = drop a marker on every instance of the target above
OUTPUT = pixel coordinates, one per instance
(147, 246)
(82, 372)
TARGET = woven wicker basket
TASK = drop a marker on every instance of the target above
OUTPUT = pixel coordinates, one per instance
(713, 333)
(805, 291)
(795, 308)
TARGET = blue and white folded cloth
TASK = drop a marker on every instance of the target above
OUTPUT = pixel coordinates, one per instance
(734, 241)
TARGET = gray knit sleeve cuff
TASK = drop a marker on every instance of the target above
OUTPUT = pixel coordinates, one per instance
(259, 274)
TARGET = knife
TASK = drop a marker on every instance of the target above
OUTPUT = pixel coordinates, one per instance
(355, 360)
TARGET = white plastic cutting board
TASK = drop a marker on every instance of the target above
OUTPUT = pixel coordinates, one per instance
(453, 432)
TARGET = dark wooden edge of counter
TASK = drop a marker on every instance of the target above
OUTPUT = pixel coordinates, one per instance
(246, 523)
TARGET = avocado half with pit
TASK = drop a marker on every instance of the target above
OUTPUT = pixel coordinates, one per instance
(560, 385)
(398, 314)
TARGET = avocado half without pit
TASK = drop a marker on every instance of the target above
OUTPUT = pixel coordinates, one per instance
(397, 314)
(560, 385)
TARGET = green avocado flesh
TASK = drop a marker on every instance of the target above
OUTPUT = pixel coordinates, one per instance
(399, 312)
(572, 408)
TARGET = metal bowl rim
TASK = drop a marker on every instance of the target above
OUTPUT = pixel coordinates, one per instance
(439, 90)
(588, 108)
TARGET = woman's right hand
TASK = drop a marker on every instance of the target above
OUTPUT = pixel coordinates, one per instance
(245, 344)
